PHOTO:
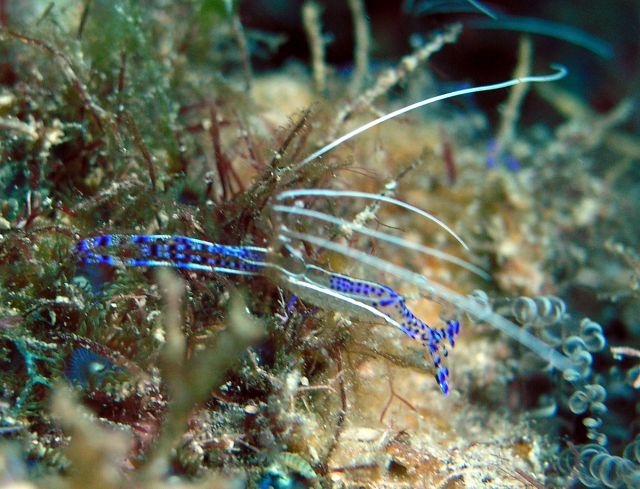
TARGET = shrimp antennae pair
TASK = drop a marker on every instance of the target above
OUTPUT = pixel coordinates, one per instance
(285, 234)
(439, 292)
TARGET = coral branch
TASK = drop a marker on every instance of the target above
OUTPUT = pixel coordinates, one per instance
(362, 44)
(313, 26)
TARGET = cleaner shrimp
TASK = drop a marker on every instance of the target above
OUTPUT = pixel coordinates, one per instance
(284, 263)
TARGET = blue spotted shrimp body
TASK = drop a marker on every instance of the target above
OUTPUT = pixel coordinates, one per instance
(172, 251)
(320, 287)
(323, 288)
(355, 297)
(393, 305)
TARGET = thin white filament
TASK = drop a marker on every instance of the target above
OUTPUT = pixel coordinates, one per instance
(539, 347)
(484, 9)
(319, 192)
(389, 238)
(549, 28)
(561, 72)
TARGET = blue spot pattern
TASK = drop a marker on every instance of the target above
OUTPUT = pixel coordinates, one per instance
(171, 251)
(392, 304)
(182, 252)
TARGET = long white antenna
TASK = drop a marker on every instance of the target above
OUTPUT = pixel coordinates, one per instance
(560, 73)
